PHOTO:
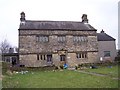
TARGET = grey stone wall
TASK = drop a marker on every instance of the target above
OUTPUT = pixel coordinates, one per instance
(28, 42)
(29, 47)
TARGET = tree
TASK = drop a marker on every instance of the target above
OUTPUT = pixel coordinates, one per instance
(5, 46)
(117, 58)
(118, 54)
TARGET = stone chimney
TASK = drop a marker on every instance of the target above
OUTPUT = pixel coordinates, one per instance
(102, 31)
(22, 19)
(84, 18)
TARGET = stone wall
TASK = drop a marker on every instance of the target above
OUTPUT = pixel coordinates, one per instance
(28, 43)
(56, 32)
(93, 57)
(29, 47)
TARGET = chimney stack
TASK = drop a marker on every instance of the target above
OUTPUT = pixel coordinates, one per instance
(84, 18)
(102, 31)
(22, 19)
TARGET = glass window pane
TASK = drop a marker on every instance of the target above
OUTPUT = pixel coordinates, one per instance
(106, 53)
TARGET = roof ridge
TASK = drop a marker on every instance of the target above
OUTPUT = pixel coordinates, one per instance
(53, 21)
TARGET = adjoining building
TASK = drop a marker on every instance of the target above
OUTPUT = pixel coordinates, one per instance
(12, 58)
(106, 47)
(46, 43)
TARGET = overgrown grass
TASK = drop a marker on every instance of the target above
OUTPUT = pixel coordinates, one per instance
(58, 79)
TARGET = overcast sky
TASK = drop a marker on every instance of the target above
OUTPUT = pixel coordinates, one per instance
(102, 14)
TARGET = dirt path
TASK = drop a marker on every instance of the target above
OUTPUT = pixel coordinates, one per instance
(97, 74)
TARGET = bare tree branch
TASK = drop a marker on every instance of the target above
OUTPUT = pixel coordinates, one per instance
(5, 46)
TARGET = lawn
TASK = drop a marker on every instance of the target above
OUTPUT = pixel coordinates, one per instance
(58, 79)
(112, 71)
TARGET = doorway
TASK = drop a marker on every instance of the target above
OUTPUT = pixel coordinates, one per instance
(14, 61)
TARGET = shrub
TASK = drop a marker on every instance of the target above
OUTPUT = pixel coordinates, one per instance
(117, 59)
(61, 66)
(56, 67)
(76, 67)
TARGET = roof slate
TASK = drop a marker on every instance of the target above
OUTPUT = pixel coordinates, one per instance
(55, 25)
(104, 37)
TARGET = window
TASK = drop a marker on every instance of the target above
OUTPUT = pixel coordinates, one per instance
(7, 59)
(42, 38)
(43, 57)
(106, 53)
(62, 57)
(37, 56)
(81, 55)
(49, 58)
(61, 38)
(79, 39)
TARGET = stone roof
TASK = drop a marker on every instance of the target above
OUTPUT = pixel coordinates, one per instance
(54, 25)
(104, 37)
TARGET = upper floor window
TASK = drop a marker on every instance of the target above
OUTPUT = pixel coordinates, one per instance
(61, 38)
(106, 53)
(43, 38)
(79, 38)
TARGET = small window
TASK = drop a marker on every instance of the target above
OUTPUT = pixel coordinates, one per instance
(79, 39)
(37, 38)
(44, 57)
(106, 53)
(37, 56)
(61, 38)
(41, 57)
(42, 38)
(49, 58)
(81, 55)
(62, 57)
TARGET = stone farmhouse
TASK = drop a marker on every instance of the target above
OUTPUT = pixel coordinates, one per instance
(47, 43)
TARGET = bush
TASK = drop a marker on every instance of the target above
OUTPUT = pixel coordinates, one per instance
(61, 66)
(117, 59)
(19, 69)
(76, 67)
(56, 67)
(84, 65)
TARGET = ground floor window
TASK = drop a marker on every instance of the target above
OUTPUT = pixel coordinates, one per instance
(37, 56)
(43, 57)
(106, 53)
(62, 57)
(81, 55)
(7, 59)
(47, 57)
